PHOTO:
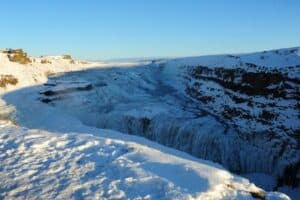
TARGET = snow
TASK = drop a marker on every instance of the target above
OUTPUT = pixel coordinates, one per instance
(36, 73)
(294, 193)
(59, 151)
(36, 163)
(148, 107)
(270, 59)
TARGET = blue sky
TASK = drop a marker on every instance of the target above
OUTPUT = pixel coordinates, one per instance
(104, 29)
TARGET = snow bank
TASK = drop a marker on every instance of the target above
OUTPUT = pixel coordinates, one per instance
(39, 164)
(270, 59)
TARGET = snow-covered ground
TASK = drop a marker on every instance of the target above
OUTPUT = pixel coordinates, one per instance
(62, 153)
(36, 164)
(37, 72)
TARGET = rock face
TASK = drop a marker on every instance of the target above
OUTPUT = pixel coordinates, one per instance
(271, 93)
(262, 105)
(17, 55)
(7, 80)
(240, 111)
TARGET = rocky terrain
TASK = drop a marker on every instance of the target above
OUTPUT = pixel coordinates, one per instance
(261, 104)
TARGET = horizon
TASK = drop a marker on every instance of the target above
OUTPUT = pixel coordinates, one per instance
(99, 30)
(125, 59)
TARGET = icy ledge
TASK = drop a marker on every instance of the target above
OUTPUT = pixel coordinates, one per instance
(39, 164)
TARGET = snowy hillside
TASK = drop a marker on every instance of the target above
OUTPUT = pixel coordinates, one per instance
(241, 111)
(36, 163)
(258, 95)
(38, 69)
